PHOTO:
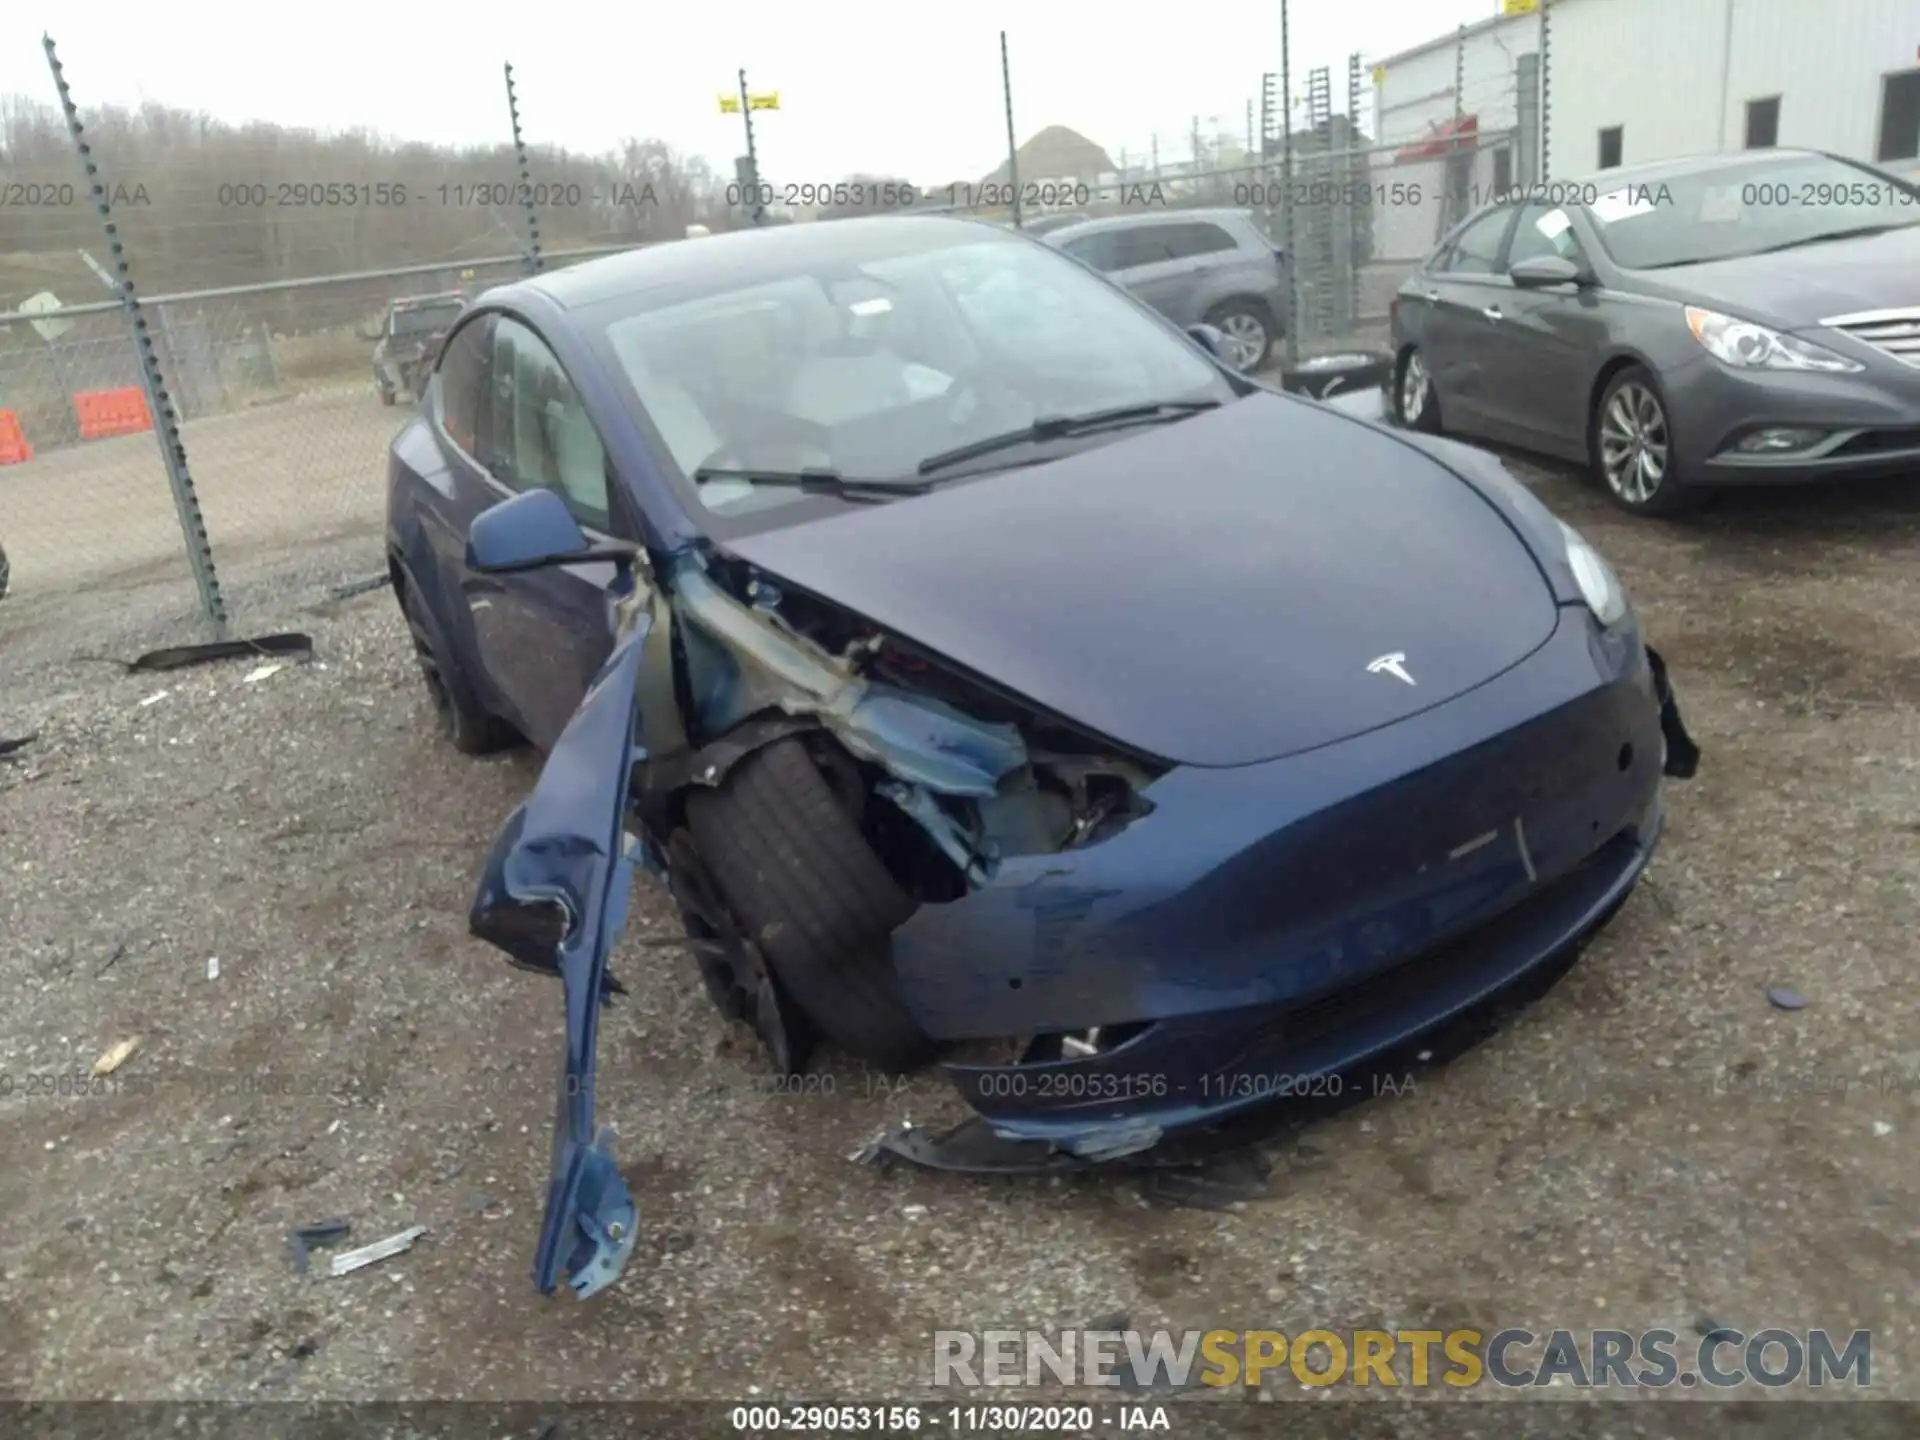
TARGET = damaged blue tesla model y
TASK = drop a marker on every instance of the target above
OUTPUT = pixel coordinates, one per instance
(983, 666)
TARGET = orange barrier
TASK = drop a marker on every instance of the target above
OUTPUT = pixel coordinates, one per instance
(111, 412)
(14, 449)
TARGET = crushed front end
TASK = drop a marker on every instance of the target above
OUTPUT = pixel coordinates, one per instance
(1146, 950)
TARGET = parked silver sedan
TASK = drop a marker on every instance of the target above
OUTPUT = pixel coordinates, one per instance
(1740, 319)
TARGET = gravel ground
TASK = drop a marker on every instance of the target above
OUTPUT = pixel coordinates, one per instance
(1650, 1144)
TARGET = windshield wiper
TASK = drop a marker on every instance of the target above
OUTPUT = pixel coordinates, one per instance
(819, 481)
(1855, 233)
(1053, 427)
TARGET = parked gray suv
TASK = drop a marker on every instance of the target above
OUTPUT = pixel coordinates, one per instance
(1212, 267)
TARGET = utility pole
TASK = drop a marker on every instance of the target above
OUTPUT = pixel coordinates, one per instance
(759, 211)
(1013, 149)
(1156, 154)
(1197, 166)
(1250, 150)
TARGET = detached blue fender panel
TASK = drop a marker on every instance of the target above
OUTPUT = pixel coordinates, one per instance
(553, 897)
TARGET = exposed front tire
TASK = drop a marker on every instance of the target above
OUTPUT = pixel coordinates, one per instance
(458, 711)
(1631, 447)
(6, 572)
(793, 867)
(1249, 331)
(1414, 403)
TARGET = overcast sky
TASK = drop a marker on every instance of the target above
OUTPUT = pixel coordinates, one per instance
(911, 90)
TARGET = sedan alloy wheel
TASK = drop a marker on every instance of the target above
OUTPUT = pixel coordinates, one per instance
(1634, 443)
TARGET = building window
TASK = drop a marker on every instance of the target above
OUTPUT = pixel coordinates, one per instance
(1900, 117)
(1763, 123)
(1609, 147)
(1502, 170)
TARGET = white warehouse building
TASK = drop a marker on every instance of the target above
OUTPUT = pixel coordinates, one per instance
(1638, 80)
(1475, 89)
(1630, 81)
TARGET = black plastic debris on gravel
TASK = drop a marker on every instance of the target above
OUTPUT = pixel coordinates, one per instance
(317, 1236)
(178, 657)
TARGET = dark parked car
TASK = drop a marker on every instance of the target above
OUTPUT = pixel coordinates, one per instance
(1211, 267)
(1743, 319)
(409, 335)
(976, 658)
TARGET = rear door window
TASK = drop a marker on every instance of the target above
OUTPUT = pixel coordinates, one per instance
(463, 382)
(1097, 249)
(1188, 241)
(1143, 245)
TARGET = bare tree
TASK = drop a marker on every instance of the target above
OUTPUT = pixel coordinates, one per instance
(202, 203)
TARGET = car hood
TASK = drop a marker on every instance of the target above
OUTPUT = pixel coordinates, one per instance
(1794, 289)
(1211, 592)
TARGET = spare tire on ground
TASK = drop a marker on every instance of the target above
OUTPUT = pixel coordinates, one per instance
(1325, 376)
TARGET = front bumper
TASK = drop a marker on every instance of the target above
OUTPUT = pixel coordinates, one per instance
(1261, 926)
(1869, 421)
(1275, 924)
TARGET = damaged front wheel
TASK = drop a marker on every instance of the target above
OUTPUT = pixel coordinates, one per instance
(811, 893)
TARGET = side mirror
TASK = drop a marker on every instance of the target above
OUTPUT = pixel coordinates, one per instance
(533, 530)
(1541, 271)
(1212, 340)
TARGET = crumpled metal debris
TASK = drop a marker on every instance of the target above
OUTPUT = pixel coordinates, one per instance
(970, 1146)
(1187, 1180)
(347, 1261)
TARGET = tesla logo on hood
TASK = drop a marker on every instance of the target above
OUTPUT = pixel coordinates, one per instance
(1394, 665)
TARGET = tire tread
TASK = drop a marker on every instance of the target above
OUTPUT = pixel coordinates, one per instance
(808, 887)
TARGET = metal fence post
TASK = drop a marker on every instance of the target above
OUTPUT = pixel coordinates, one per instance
(534, 263)
(1286, 189)
(1546, 90)
(1013, 149)
(1355, 192)
(166, 427)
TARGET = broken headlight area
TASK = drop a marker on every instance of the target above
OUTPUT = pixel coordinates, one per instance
(975, 774)
(1682, 760)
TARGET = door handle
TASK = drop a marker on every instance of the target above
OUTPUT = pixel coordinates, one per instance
(1492, 312)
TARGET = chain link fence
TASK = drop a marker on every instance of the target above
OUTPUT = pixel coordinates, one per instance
(276, 254)
(283, 418)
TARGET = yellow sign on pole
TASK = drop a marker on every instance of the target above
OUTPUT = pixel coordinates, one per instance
(766, 100)
(729, 104)
(1519, 7)
(1379, 74)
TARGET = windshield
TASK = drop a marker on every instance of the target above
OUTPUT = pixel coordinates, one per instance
(873, 367)
(1727, 212)
(424, 320)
